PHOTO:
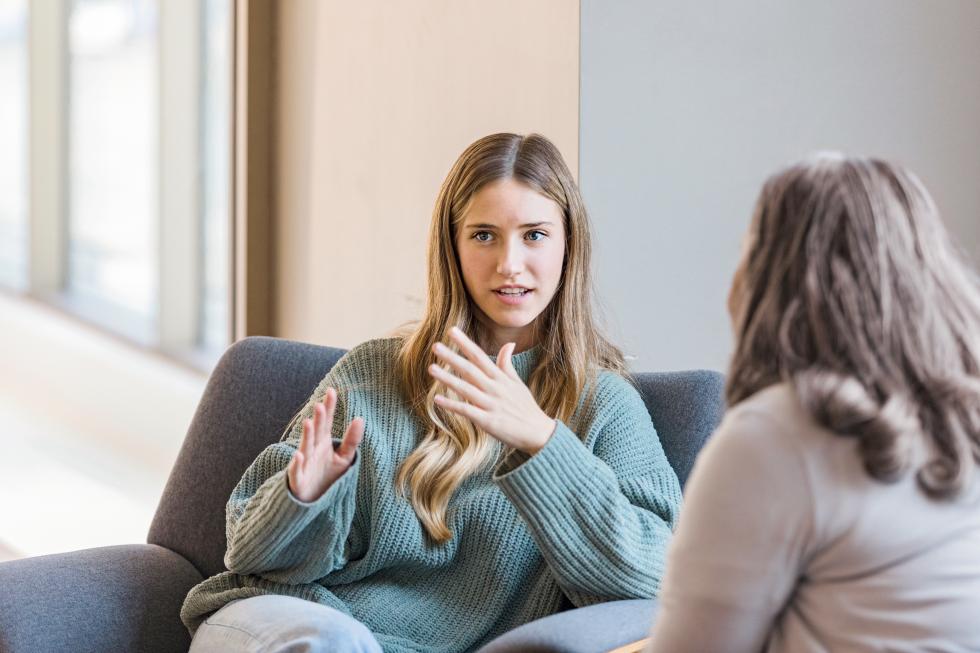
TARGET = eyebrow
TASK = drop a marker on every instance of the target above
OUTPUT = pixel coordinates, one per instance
(527, 225)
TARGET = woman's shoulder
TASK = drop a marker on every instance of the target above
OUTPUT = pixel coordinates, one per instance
(369, 360)
(375, 348)
(610, 397)
(758, 443)
(612, 389)
(777, 405)
(772, 419)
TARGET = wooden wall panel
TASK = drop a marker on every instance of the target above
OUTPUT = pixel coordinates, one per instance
(374, 100)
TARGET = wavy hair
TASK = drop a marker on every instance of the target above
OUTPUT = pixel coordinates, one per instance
(851, 291)
(572, 349)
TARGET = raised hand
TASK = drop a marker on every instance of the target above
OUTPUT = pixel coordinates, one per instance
(494, 396)
(316, 464)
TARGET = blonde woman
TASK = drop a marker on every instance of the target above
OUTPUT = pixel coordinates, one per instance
(837, 508)
(443, 488)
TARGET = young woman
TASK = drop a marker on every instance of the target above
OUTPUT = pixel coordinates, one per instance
(837, 508)
(433, 496)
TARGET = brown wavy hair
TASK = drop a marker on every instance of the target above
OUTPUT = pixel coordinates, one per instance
(851, 290)
(572, 347)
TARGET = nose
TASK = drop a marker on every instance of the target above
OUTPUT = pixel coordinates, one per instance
(511, 261)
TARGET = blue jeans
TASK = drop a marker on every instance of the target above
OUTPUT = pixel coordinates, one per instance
(273, 624)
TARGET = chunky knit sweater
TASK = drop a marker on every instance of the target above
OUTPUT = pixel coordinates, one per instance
(587, 518)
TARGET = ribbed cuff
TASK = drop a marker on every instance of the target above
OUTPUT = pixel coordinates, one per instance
(546, 475)
(280, 516)
(573, 504)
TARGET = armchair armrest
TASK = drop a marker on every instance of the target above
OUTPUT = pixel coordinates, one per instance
(117, 598)
(593, 629)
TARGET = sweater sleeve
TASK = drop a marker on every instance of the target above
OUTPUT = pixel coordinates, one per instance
(602, 517)
(272, 533)
(739, 547)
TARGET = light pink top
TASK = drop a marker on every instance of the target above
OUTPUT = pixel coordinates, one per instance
(786, 544)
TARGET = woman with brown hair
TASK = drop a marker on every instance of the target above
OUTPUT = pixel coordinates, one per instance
(493, 463)
(837, 507)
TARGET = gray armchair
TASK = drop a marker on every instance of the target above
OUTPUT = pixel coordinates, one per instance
(128, 597)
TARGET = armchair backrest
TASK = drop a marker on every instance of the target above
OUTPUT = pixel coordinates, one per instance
(255, 389)
(260, 383)
(686, 407)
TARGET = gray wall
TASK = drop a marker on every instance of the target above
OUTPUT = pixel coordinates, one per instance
(687, 107)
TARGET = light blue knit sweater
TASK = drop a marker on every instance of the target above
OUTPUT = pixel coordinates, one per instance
(588, 517)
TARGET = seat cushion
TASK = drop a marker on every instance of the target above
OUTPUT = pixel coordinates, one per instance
(593, 629)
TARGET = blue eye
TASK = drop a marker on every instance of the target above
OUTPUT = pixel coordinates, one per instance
(479, 235)
(536, 232)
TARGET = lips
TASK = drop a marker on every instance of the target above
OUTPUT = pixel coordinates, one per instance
(513, 295)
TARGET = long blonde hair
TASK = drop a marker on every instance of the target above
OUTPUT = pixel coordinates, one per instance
(852, 292)
(572, 349)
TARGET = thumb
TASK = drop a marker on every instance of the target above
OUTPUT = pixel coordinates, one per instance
(351, 440)
(504, 361)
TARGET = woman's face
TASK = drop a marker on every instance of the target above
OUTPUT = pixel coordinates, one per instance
(511, 246)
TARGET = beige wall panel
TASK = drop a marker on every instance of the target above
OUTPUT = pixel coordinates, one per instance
(375, 101)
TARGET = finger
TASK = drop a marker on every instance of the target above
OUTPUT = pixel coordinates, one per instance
(352, 438)
(461, 366)
(316, 423)
(473, 413)
(308, 442)
(326, 425)
(329, 398)
(294, 471)
(468, 391)
(473, 352)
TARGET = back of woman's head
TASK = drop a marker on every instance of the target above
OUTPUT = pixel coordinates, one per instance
(851, 291)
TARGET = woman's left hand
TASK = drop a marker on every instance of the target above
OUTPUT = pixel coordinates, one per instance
(496, 399)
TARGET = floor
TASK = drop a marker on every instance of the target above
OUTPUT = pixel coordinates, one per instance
(89, 430)
(60, 493)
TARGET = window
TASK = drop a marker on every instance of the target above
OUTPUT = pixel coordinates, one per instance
(127, 216)
(13, 135)
(113, 155)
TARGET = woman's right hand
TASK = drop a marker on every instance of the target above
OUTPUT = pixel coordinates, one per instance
(316, 464)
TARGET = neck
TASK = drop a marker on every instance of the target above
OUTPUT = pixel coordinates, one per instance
(496, 337)
(523, 341)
